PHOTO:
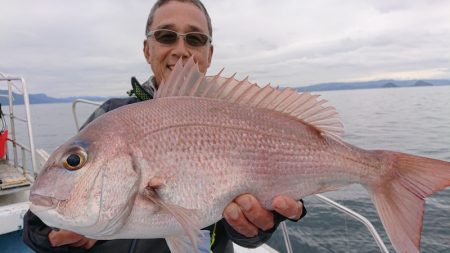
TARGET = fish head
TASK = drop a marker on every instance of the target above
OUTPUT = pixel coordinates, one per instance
(88, 184)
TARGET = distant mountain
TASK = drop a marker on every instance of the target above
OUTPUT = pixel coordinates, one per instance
(42, 98)
(389, 85)
(422, 83)
(373, 84)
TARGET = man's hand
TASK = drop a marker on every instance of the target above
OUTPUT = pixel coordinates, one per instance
(64, 237)
(246, 215)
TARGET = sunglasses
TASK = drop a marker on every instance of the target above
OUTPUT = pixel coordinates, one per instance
(169, 37)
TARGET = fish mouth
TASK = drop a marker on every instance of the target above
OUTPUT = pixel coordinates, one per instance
(41, 203)
(170, 67)
(47, 208)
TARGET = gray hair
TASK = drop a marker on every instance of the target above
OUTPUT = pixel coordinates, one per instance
(160, 3)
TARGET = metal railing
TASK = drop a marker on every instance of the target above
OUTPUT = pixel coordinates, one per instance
(74, 109)
(358, 217)
(22, 89)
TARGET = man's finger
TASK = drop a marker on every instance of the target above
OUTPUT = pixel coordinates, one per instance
(80, 243)
(89, 244)
(85, 243)
(288, 207)
(255, 213)
(63, 237)
(234, 216)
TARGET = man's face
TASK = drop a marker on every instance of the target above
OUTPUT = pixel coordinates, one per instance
(182, 18)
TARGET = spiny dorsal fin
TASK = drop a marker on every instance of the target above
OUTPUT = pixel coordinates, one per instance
(187, 80)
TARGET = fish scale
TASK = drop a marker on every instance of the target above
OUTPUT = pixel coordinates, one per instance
(274, 147)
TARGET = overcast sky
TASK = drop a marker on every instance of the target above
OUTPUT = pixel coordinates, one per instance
(80, 47)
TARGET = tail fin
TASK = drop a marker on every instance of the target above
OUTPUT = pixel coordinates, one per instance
(400, 199)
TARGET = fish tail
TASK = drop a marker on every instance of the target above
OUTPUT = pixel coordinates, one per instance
(400, 198)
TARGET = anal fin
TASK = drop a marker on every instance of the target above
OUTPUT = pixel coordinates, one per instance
(183, 244)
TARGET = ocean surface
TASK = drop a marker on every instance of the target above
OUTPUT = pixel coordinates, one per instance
(411, 120)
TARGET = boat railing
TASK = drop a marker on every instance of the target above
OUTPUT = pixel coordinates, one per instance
(74, 109)
(17, 86)
(358, 217)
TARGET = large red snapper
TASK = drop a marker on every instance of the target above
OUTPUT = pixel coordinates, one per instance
(169, 166)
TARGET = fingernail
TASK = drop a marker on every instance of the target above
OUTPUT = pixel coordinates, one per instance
(245, 203)
(253, 233)
(233, 213)
(294, 217)
(282, 205)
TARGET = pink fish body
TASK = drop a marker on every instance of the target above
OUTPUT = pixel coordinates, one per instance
(169, 166)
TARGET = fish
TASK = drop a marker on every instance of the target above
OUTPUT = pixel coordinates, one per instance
(167, 167)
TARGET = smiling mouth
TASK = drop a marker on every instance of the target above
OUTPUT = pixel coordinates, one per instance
(171, 66)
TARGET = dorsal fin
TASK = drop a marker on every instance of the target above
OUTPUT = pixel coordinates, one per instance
(187, 80)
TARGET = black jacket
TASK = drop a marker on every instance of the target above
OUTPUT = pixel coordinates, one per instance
(35, 232)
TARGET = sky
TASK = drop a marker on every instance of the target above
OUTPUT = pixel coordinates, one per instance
(80, 47)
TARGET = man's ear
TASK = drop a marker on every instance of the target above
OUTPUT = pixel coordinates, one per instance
(211, 51)
(146, 51)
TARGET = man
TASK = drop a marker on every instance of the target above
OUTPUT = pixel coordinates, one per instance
(175, 29)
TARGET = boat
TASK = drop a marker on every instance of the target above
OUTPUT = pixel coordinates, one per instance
(22, 162)
(18, 164)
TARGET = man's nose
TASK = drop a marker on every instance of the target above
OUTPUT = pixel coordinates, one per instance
(180, 48)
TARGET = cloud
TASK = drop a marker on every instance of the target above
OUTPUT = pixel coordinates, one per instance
(67, 48)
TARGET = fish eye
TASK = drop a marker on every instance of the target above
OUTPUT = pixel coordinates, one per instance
(75, 160)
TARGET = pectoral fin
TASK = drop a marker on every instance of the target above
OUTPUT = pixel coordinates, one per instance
(183, 215)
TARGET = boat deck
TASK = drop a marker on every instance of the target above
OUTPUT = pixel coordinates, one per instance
(12, 179)
(14, 192)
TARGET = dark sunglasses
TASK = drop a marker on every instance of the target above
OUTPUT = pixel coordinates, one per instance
(169, 37)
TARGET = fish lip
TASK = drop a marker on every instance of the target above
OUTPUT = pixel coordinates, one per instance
(43, 201)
